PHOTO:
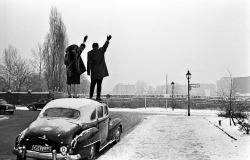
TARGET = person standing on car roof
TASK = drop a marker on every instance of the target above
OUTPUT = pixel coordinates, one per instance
(97, 68)
(74, 66)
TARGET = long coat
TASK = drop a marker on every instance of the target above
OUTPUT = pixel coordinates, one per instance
(96, 65)
(74, 66)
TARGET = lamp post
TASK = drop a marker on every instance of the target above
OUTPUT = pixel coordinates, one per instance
(145, 99)
(172, 84)
(188, 76)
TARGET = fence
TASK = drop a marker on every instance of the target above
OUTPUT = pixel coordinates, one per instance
(120, 101)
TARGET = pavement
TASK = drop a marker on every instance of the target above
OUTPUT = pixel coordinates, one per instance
(173, 135)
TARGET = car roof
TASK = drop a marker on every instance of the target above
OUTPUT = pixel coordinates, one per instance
(85, 106)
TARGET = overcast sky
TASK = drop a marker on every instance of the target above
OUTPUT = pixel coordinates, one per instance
(150, 38)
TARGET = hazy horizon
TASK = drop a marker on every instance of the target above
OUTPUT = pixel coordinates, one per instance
(149, 38)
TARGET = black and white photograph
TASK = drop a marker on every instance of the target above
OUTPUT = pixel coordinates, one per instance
(124, 80)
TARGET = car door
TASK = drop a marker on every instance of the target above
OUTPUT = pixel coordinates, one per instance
(102, 124)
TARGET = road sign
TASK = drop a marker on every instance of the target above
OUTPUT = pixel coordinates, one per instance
(194, 85)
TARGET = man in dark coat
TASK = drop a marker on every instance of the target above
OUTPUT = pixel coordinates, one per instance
(96, 67)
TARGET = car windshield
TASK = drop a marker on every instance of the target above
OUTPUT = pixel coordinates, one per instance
(42, 100)
(2, 101)
(62, 113)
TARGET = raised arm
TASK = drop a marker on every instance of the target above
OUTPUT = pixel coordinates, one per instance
(105, 46)
(82, 46)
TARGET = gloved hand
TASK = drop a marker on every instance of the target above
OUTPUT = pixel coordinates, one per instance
(109, 37)
(85, 38)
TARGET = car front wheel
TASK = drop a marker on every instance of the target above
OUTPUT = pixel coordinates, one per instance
(2, 111)
(11, 112)
(118, 135)
(92, 153)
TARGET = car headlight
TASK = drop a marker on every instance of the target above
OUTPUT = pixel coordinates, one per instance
(63, 150)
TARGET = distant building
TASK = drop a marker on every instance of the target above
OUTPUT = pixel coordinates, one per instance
(203, 90)
(124, 89)
(241, 84)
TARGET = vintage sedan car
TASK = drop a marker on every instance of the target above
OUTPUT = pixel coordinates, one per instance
(38, 105)
(5, 107)
(68, 128)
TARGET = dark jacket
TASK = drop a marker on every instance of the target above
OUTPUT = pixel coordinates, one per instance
(96, 64)
(73, 62)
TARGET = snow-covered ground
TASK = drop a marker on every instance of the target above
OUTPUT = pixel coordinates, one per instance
(156, 138)
(232, 145)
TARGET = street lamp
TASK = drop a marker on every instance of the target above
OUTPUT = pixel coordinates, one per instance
(188, 76)
(172, 84)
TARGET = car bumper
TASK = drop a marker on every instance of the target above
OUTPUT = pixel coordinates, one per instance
(9, 110)
(37, 155)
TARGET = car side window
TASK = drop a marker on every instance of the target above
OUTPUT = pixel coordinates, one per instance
(100, 112)
(93, 115)
(106, 112)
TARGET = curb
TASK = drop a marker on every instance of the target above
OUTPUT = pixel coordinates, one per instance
(221, 130)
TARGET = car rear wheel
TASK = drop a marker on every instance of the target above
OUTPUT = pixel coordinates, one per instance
(118, 135)
(31, 108)
(92, 153)
(20, 158)
(2, 111)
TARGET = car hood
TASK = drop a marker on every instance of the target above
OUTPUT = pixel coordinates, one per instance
(60, 130)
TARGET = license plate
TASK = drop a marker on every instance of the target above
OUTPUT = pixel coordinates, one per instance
(39, 148)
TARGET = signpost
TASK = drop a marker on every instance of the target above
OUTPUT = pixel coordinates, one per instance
(195, 85)
(166, 96)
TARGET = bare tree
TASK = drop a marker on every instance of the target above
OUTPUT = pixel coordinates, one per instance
(7, 67)
(3, 84)
(38, 63)
(21, 72)
(227, 94)
(14, 69)
(53, 52)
